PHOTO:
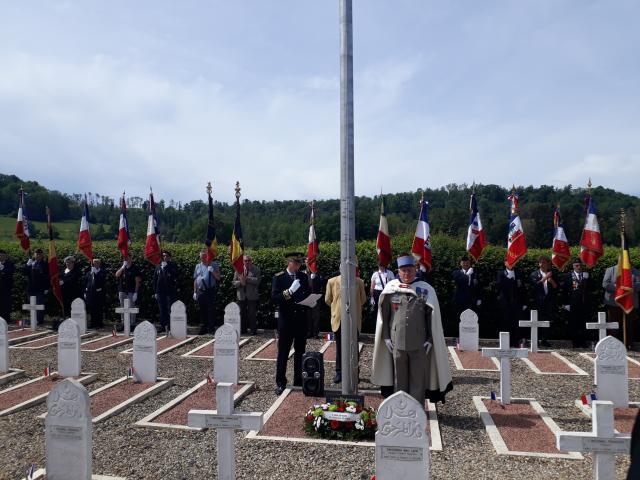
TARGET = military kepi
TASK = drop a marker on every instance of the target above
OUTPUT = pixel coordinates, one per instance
(406, 261)
(294, 257)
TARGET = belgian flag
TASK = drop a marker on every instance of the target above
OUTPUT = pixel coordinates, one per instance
(237, 244)
(624, 282)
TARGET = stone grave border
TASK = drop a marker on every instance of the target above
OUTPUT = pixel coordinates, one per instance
(42, 472)
(23, 346)
(570, 364)
(328, 343)
(587, 410)
(107, 347)
(252, 355)
(432, 418)
(496, 439)
(129, 351)
(84, 379)
(12, 374)
(458, 363)
(593, 361)
(161, 384)
(27, 338)
(246, 389)
(190, 353)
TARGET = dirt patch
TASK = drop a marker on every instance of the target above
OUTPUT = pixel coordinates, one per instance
(103, 342)
(167, 342)
(13, 334)
(268, 353)
(475, 360)
(521, 428)
(548, 363)
(204, 351)
(17, 396)
(624, 418)
(109, 398)
(329, 354)
(41, 342)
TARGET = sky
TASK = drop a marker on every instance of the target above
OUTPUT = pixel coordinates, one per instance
(109, 96)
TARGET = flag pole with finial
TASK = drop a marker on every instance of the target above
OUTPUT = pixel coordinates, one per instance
(622, 234)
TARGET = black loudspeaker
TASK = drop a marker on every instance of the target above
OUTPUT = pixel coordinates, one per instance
(313, 374)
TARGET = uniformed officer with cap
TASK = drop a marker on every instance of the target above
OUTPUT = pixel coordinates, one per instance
(287, 289)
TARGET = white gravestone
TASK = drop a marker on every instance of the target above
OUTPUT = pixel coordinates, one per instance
(602, 325)
(225, 352)
(145, 367)
(178, 320)
(402, 442)
(126, 310)
(534, 324)
(602, 441)
(4, 347)
(505, 354)
(612, 372)
(69, 363)
(232, 316)
(468, 331)
(68, 432)
(79, 314)
(33, 308)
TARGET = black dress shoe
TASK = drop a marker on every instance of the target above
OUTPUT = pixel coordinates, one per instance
(279, 390)
(337, 378)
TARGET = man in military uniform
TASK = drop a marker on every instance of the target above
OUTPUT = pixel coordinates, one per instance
(410, 349)
(576, 287)
(467, 292)
(287, 289)
(165, 279)
(7, 269)
(70, 284)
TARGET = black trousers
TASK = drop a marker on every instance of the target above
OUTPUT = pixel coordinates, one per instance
(5, 306)
(207, 304)
(248, 312)
(291, 331)
(164, 308)
(510, 323)
(96, 313)
(578, 316)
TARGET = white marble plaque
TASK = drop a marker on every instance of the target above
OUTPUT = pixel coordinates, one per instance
(178, 320)
(68, 431)
(225, 352)
(69, 361)
(468, 331)
(611, 372)
(145, 367)
(79, 314)
(232, 316)
(402, 442)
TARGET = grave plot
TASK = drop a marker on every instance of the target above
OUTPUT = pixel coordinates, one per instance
(292, 403)
(166, 343)
(328, 351)
(105, 343)
(623, 417)
(6, 374)
(21, 335)
(268, 351)
(174, 415)
(633, 365)
(551, 363)
(206, 349)
(521, 428)
(10, 374)
(27, 394)
(45, 342)
(469, 360)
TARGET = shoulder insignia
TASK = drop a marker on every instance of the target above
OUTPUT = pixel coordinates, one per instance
(279, 273)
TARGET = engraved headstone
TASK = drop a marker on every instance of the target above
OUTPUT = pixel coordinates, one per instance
(69, 363)
(402, 441)
(225, 352)
(4, 347)
(612, 372)
(68, 432)
(468, 331)
(505, 354)
(79, 314)
(178, 320)
(232, 316)
(145, 367)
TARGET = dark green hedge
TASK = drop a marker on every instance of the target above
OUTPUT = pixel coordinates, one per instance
(446, 253)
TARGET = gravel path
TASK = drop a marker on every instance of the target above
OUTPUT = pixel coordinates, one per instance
(140, 453)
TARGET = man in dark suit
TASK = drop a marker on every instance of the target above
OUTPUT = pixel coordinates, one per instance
(510, 289)
(165, 280)
(545, 290)
(287, 289)
(37, 273)
(467, 292)
(7, 269)
(94, 293)
(70, 284)
(576, 287)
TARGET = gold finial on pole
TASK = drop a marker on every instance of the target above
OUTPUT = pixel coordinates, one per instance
(209, 189)
(589, 185)
(623, 218)
(238, 191)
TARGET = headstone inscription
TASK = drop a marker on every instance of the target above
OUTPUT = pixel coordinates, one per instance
(232, 316)
(145, 366)
(225, 352)
(402, 442)
(178, 320)
(468, 331)
(612, 372)
(79, 314)
(69, 362)
(68, 432)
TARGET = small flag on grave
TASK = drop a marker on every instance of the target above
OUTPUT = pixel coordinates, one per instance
(46, 371)
(585, 400)
(209, 378)
(30, 471)
(19, 323)
(493, 395)
(457, 344)
(329, 337)
(130, 372)
(113, 332)
(593, 397)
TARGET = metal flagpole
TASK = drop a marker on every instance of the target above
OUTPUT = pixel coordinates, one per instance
(349, 332)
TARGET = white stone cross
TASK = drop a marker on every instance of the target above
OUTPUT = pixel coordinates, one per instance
(468, 331)
(602, 441)
(4, 347)
(505, 354)
(126, 311)
(534, 324)
(79, 314)
(602, 325)
(33, 306)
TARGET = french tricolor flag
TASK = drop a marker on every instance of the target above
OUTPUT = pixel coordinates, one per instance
(516, 243)
(22, 225)
(124, 239)
(131, 372)
(560, 253)
(313, 247)
(152, 247)
(591, 240)
(329, 337)
(84, 237)
(493, 395)
(209, 378)
(383, 241)
(421, 248)
(476, 240)
(31, 471)
(47, 371)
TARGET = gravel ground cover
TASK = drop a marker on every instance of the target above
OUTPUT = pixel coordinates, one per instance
(137, 453)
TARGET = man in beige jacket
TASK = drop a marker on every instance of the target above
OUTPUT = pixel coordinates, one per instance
(332, 298)
(247, 284)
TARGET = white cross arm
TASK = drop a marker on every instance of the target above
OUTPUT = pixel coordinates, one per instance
(530, 323)
(588, 442)
(211, 419)
(608, 325)
(127, 310)
(28, 306)
(500, 353)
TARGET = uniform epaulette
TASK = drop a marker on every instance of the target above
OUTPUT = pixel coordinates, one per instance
(279, 273)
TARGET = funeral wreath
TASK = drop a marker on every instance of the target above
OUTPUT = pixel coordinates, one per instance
(341, 420)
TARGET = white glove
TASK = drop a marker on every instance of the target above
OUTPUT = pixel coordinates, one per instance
(210, 268)
(524, 307)
(389, 344)
(478, 303)
(294, 286)
(567, 308)
(61, 282)
(30, 262)
(195, 296)
(1, 266)
(154, 296)
(427, 346)
(124, 264)
(313, 275)
(135, 297)
(163, 264)
(94, 270)
(372, 301)
(585, 274)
